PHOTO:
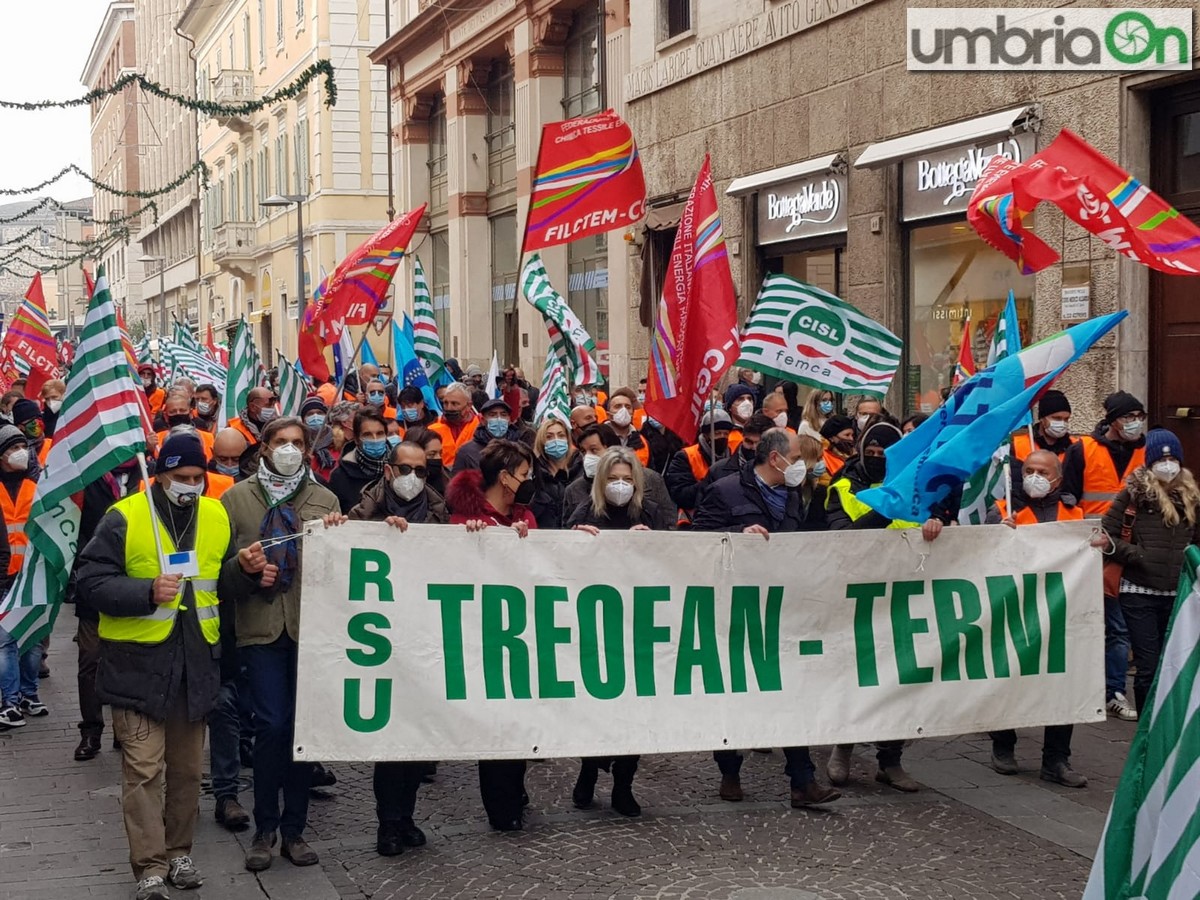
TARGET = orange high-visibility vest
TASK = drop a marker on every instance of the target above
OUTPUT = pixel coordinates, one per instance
(700, 469)
(1022, 446)
(206, 439)
(1028, 517)
(239, 425)
(450, 443)
(1101, 480)
(16, 514)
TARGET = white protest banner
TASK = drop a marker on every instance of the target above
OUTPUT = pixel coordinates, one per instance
(439, 644)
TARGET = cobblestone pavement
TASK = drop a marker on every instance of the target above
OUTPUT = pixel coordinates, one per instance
(970, 834)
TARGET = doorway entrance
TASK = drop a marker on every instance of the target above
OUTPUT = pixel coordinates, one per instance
(1175, 299)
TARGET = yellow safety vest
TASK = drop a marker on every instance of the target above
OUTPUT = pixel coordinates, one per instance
(141, 561)
(854, 507)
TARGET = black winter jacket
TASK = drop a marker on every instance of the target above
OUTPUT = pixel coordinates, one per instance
(735, 503)
(547, 503)
(681, 481)
(97, 498)
(148, 677)
(471, 452)
(617, 519)
(349, 480)
(665, 511)
(1153, 557)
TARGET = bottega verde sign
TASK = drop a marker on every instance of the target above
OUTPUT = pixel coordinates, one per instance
(731, 40)
(439, 644)
(805, 208)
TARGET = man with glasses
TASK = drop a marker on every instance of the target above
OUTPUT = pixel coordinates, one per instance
(262, 405)
(1094, 470)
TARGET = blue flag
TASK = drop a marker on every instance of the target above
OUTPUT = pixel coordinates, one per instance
(960, 437)
(368, 356)
(409, 370)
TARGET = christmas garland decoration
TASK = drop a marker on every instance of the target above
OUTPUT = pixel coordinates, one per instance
(82, 217)
(321, 68)
(100, 185)
(23, 237)
(98, 246)
(6, 262)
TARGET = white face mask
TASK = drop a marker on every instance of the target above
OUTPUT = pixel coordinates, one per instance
(780, 420)
(1165, 470)
(1133, 430)
(793, 475)
(862, 421)
(622, 417)
(641, 398)
(590, 464)
(744, 409)
(287, 459)
(19, 459)
(1036, 486)
(1056, 428)
(618, 493)
(408, 486)
(54, 406)
(183, 494)
(204, 408)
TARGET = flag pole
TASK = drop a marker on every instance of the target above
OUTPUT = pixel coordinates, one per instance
(349, 364)
(162, 557)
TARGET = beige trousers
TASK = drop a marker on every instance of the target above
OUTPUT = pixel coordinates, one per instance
(159, 827)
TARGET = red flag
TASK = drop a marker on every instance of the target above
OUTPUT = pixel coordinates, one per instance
(588, 181)
(29, 338)
(965, 367)
(312, 356)
(87, 280)
(1092, 191)
(696, 336)
(217, 354)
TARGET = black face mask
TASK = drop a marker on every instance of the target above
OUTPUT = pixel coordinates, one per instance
(844, 447)
(184, 419)
(452, 415)
(746, 453)
(525, 492)
(721, 447)
(875, 467)
(434, 467)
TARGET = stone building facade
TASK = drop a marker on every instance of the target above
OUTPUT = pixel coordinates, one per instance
(167, 149)
(115, 151)
(472, 85)
(335, 158)
(836, 164)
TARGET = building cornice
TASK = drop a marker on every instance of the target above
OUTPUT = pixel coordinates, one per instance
(118, 11)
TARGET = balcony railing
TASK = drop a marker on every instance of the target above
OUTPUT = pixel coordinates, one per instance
(234, 241)
(233, 86)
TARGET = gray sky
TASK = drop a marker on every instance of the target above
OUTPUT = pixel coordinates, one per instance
(44, 45)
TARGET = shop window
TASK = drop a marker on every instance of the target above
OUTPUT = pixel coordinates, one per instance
(587, 283)
(504, 286)
(581, 77)
(825, 269)
(953, 274)
(439, 286)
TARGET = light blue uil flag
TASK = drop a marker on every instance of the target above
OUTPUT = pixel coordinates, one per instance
(960, 437)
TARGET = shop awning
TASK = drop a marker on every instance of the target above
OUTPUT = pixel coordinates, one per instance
(1011, 121)
(751, 183)
(663, 218)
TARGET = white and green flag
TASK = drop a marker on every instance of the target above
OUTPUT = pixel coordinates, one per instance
(293, 389)
(1151, 843)
(799, 332)
(554, 398)
(568, 337)
(245, 371)
(99, 427)
(426, 340)
(185, 356)
(984, 488)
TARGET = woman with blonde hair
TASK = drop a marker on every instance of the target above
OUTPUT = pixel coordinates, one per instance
(817, 408)
(556, 463)
(1148, 527)
(618, 501)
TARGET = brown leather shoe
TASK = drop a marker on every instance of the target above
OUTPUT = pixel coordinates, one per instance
(232, 814)
(895, 776)
(258, 857)
(812, 794)
(731, 788)
(297, 850)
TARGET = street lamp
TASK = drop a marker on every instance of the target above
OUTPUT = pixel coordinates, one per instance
(162, 289)
(284, 200)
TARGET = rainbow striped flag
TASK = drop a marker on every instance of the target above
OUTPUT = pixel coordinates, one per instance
(29, 338)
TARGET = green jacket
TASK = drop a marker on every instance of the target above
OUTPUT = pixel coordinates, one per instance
(262, 616)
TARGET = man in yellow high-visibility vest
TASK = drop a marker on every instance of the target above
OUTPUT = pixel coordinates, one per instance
(162, 639)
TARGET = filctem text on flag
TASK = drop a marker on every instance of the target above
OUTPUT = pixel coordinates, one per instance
(594, 220)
